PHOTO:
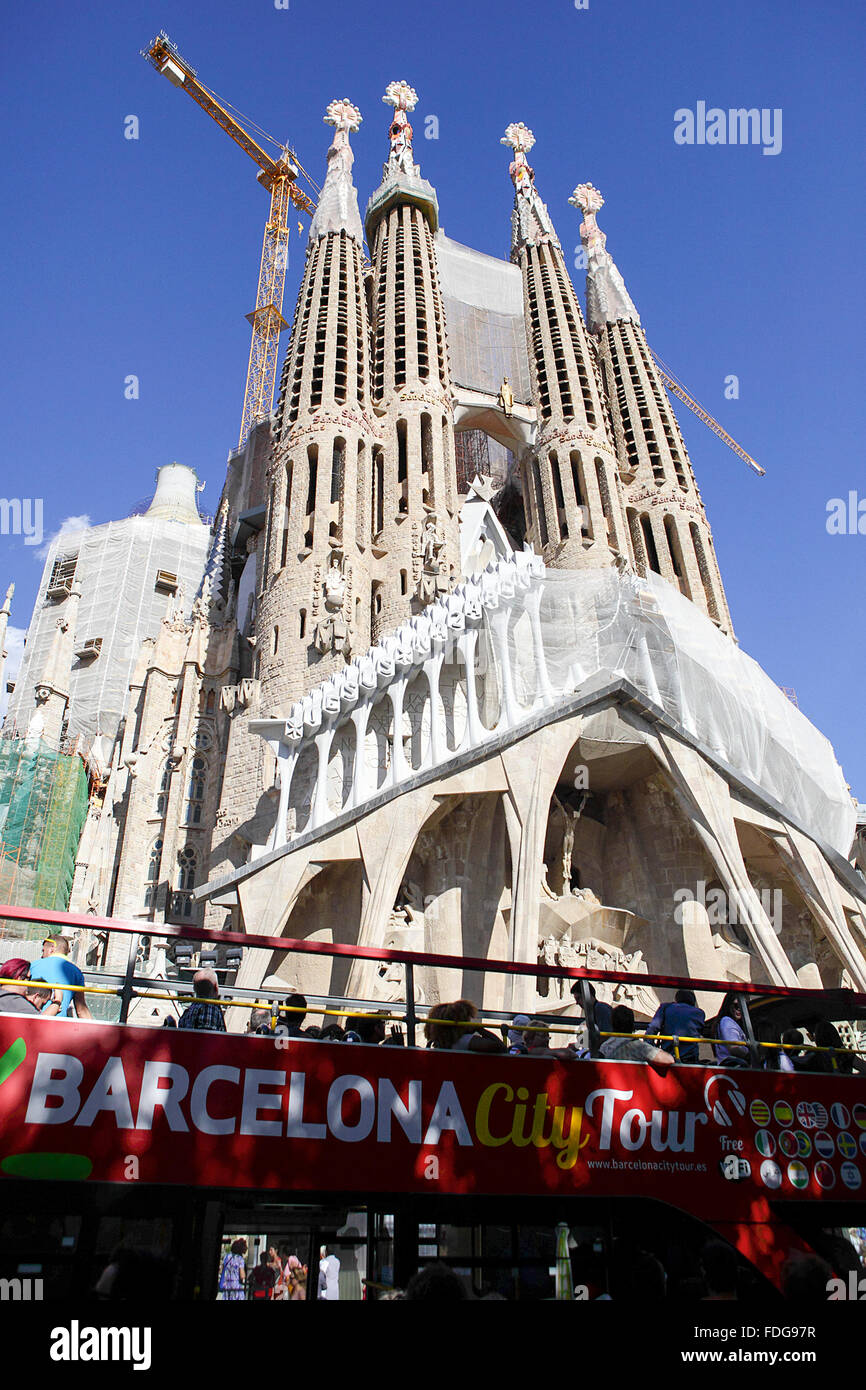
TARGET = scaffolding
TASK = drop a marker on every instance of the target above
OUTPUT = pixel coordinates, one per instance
(43, 807)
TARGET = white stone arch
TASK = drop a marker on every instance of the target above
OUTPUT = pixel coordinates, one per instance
(377, 751)
(303, 786)
(341, 768)
(416, 721)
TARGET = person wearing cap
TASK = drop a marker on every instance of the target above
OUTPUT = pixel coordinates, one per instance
(514, 1038)
(56, 968)
(204, 1015)
(18, 995)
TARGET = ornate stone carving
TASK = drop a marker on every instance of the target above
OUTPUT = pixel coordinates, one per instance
(332, 629)
(521, 140)
(404, 99)
(434, 580)
(240, 696)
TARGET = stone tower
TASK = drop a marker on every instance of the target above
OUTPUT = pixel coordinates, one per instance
(414, 484)
(575, 512)
(667, 523)
(314, 608)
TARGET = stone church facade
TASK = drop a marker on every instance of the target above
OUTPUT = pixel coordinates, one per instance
(413, 709)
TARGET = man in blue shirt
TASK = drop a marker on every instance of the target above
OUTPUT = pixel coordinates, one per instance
(680, 1018)
(56, 968)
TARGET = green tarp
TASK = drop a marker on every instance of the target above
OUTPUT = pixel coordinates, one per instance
(43, 805)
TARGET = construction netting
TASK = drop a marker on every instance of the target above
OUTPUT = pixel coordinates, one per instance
(129, 573)
(43, 806)
(483, 302)
(598, 625)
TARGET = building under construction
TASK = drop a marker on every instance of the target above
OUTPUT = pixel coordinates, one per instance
(491, 715)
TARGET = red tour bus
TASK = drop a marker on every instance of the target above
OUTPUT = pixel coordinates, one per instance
(360, 1163)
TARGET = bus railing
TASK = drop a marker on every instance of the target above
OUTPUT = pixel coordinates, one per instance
(131, 985)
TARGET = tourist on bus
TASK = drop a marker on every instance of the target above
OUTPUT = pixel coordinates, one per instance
(455, 1028)
(366, 1028)
(834, 1055)
(680, 1018)
(18, 995)
(205, 1014)
(233, 1275)
(601, 1012)
(513, 1037)
(631, 1048)
(732, 1050)
(55, 968)
(788, 1060)
(537, 1041)
(293, 1011)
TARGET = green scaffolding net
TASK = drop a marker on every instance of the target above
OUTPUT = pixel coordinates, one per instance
(43, 805)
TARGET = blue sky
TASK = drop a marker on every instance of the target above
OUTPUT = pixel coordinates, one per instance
(141, 256)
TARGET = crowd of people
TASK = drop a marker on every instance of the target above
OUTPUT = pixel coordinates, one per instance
(673, 1036)
(54, 987)
(275, 1276)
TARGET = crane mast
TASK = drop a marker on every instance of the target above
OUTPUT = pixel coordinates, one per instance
(278, 177)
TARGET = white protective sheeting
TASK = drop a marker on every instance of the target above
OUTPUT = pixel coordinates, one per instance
(117, 570)
(483, 302)
(599, 624)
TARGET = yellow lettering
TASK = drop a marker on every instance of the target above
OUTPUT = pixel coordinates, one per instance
(571, 1144)
(538, 1117)
(482, 1115)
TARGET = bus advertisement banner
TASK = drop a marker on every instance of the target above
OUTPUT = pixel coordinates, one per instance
(88, 1102)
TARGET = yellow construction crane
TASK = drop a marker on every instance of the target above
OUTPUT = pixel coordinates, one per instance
(278, 176)
(680, 391)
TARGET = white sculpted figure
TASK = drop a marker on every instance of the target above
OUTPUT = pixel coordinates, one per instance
(332, 630)
(433, 580)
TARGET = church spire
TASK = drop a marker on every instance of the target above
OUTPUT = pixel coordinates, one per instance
(667, 524)
(337, 208)
(607, 299)
(401, 176)
(404, 99)
(530, 220)
(570, 483)
(312, 599)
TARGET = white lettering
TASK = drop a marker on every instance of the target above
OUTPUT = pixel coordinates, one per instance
(47, 1085)
(198, 1110)
(632, 1129)
(608, 1101)
(351, 1134)
(110, 1094)
(296, 1126)
(391, 1106)
(255, 1100)
(168, 1097)
(447, 1114)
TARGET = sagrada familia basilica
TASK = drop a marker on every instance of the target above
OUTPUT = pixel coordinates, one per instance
(392, 699)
